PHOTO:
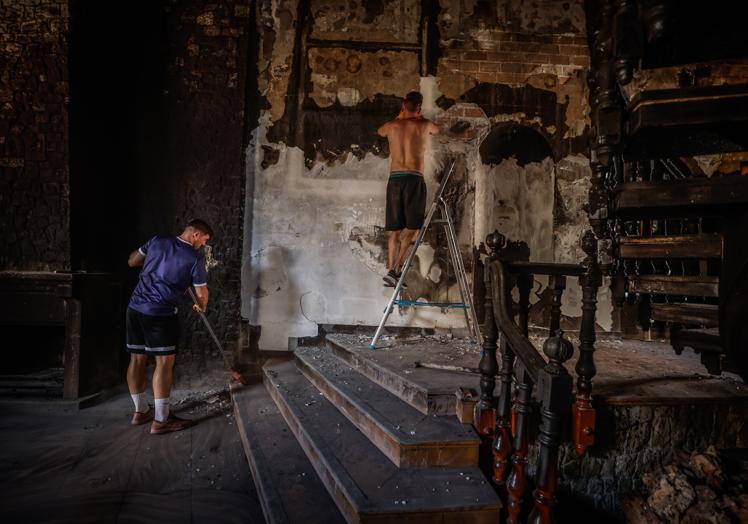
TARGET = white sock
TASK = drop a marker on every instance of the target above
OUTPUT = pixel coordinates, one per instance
(162, 409)
(141, 402)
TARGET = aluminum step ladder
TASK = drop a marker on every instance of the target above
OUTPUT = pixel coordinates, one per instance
(454, 252)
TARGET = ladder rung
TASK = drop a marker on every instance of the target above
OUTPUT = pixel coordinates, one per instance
(445, 305)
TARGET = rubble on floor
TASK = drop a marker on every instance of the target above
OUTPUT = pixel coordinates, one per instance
(700, 487)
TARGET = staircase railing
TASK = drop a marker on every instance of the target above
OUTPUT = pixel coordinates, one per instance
(507, 416)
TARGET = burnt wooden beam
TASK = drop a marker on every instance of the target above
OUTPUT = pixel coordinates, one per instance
(688, 196)
(699, 314)
(688, 110)
(699, 286)
(707, 245)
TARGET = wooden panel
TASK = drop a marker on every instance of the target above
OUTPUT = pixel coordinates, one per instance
(679, 246)
(674, 285)
(699, 314)
(645, 198)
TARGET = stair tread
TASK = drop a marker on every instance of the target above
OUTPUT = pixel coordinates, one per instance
(687, 313)
(287, 484)
(687, 306)
(428, 390)
(398, 422)
(368, 480)
(697, 245)
(694, 192)
(691, 285)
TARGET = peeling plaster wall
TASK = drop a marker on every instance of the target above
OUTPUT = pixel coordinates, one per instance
(330, 74)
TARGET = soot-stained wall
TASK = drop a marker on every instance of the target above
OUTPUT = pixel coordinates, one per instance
(191, 166)
(330, 74)
(34, 174)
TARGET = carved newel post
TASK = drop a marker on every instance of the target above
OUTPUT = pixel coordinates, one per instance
(554, 394)
(484, 415)
(583, 420)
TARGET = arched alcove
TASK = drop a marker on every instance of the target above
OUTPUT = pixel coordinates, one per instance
(510, 139)
(516, 190)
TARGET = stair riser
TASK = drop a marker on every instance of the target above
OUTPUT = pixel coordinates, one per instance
(441, 454)
(406, 391)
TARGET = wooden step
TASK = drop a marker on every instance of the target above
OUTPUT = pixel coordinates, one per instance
(429, 391)
(366, 485)
(698, 314)
(708, 245)
(697, 286)
(289, 489)
(404, 434)
(676, 198)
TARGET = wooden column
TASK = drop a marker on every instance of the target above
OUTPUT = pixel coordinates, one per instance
(554, 393)
(484, 416)
(584, 415)
(559, 284)
(524, 283)
(517, 483)
(502, 443)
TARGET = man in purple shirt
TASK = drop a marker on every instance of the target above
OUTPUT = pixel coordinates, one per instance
(170, 266)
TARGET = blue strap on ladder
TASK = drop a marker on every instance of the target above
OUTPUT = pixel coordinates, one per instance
(442, 305)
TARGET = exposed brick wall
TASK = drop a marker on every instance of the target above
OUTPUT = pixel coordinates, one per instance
(509, 57)
(206, 67)
(34, 173)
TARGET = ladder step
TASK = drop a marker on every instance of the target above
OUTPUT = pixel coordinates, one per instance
(444, 305)
(678, 246)
(697, 286)
(698, 314)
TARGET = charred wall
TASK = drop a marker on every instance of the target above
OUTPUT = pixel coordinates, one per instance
(34, 174)
(331, 73)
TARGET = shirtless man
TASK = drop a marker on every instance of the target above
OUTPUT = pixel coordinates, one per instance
(408, 136)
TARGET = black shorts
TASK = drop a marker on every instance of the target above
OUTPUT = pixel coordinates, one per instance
(151, 334)
(406, 202)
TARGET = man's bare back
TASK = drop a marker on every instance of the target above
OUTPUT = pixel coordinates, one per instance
(408, 138)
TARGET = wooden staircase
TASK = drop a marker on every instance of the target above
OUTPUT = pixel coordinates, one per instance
(670, 250)
(325, 443)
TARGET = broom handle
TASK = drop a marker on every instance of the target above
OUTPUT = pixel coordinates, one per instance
(205, 319)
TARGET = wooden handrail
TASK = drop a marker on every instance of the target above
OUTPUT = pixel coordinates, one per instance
(546, 268)
(521, 346)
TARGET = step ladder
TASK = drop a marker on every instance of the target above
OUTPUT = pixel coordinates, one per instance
(454, 252)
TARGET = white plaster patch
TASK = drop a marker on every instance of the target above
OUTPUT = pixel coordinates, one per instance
(349, 96)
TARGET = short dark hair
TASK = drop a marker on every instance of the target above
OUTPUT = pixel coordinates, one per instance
(413, 101)
(201, 225)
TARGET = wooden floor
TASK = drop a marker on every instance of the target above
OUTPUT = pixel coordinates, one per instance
(60, 464)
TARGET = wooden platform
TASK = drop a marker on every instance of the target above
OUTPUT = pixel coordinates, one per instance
(628, 372)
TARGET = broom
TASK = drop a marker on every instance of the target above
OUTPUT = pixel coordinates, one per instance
(235, 375)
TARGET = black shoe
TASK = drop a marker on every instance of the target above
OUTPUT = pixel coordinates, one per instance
(391, 278)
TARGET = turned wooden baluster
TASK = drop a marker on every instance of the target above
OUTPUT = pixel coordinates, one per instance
(484, 416)
(583, 413)
(524, 283)
(502, 442)
(559, 284)
(517, 483)
(554, 394)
